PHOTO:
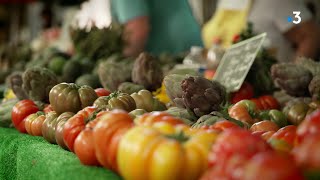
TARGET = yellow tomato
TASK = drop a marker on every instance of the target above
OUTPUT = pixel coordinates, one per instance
(146, 153)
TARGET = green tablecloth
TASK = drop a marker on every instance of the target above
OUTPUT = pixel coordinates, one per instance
(25, 157)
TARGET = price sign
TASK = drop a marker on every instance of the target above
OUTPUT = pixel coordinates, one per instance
(237, 61)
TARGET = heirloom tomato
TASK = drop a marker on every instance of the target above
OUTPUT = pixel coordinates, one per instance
(245, 92)
(61, 120)
(244, 111)
(20, 111)
(266, 102)
(310, 126)
(33, 123)
(76, 124)
(264, 126)
(49, 127)
(284, 139)
(102, 92)
(146, 153)
(107, 133)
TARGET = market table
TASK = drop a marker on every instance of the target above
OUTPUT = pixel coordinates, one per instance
(28, 157)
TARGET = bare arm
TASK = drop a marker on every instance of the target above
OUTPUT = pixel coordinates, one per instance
(136, 33)
(306, 38)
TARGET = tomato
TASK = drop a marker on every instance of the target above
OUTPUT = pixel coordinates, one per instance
(61, 120)
(244, 111)
(20, 111)
(264, 126)
(69, 97)
(296, 111)
(275, 116)
(107, 135)
(284, 139)
(266, 136)
(238, 142)
(145, 100)
(266, 102)
(307, 153)
(215, 173)
(84, 145)
(33, 123)
(149, 119)
(175, 156)
(116, 100)
(270, 165)
(245, 92)
(102, 92)
(47, 108)
(310, 126)
(76, 124)
(49, 127)
(221, 125)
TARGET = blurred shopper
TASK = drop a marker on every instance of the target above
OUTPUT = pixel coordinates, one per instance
(157, 25)
(275, 17)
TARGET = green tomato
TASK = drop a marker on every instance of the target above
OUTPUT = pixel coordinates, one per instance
(69, 97)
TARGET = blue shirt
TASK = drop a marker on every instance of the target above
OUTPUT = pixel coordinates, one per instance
(173, 27)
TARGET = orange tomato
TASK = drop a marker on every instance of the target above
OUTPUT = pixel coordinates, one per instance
(264, 126)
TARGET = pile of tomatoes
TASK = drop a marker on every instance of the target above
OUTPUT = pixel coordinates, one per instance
(157, 145)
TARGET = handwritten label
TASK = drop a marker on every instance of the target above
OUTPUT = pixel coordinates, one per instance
(237, 61)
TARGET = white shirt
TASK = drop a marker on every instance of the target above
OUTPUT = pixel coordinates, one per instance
(271, 16)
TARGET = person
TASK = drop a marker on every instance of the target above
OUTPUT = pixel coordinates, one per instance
(157, 26)
(288, 40)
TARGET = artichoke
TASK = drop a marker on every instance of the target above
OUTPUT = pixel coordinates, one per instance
(309, 64)
(129, 87)
(172, 84)
(207, 120)
(147, 72)
(37, 82)
(291, 78)
(314, 87)
(15, 82)
(114, 72)
(181, 113)
(202, 96)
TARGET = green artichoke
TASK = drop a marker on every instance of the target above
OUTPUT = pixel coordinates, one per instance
(129, 87)
(15, 82)
(147, 72)
(291, 78)
(172, 84)
(114, 72)
(309, 64)
(182, 113)
(37, 82)
(202, 96)
(314, 87)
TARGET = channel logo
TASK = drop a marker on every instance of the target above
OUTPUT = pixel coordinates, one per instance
(296, 18)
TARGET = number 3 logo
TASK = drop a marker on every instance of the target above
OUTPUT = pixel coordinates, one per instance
(297, 17)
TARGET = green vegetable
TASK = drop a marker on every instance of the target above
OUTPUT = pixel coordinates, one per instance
(113, 72)
(89, 80)
(206, 120)
(181, 113)
(37, 83)
(5, 112)
(275, 116)
(71, 71)
(172, 84)
(296, 110)
(314, 87)
(293, 79)
(147, 72)
(129, 87)
(136, 113)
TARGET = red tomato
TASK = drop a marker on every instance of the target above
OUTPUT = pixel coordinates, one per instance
(287, 133)
(270, 165)
(75, 125)
(307, 153)
(243, 111)
(20, 111)
(266, 102)
(102, 92)
(107, 135)
(222, 125)
(84, 145)
(215, 173)
(245, 92)
(48, 108)
(264, 126)
(310, 126)
(238, 142)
